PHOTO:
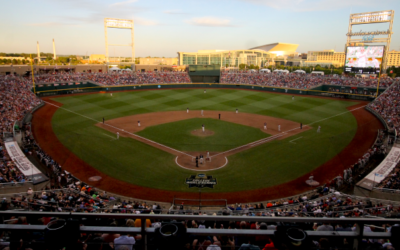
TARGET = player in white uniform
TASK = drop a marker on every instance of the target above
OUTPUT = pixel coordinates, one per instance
(319, 129)
(202, 127)
(117, 135)
(202, 113)
(375, 62)
(111, 94)
(187, 110)
(279, 127)
(361, 58)
(292, 97)
(138, 123)
(237, 111)
(265, 125)
(205, 91)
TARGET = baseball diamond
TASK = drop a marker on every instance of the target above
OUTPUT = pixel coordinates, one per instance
(143, 163)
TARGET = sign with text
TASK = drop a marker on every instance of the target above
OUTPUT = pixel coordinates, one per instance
(201, 181)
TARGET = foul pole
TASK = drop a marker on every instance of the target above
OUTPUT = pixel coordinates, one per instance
(33, 77)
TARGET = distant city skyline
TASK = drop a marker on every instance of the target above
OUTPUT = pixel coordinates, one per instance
(162, 28)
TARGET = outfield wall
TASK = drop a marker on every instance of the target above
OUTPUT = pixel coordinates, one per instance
(87, 87)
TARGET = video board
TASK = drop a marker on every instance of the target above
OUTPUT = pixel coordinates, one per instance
(364, 59)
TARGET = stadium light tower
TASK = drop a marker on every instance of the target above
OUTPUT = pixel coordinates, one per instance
(382, 37)
(119, 24)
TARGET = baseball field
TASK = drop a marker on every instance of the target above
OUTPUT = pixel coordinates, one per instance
(158, 155)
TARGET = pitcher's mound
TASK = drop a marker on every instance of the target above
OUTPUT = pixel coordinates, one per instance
(199, 132)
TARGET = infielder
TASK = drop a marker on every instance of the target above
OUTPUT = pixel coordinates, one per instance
(103, 120)
(319, 129)
(279, 127)
(201, 159)
(208, 154)
(219, 116)
(265, 125)
(117, 135)
(202, 126)
(138, 123)
(301, 125)
(187, 110)
(237, 111)
(202, 113)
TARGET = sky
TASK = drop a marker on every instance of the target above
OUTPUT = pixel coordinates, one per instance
(162, 28)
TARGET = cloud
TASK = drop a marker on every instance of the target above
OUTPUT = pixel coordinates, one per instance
(50, 24)
(313, 5)
(174, 12)
(122, 3)
(210, 22)
(145, 22)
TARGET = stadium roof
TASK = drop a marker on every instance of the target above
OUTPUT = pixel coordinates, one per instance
(277, 47)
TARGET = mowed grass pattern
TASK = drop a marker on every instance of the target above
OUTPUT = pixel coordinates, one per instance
(262, 166)
(226, 135)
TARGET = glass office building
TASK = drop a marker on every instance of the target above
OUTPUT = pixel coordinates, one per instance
(226, 58)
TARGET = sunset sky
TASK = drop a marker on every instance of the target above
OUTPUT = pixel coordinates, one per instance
(162, 28)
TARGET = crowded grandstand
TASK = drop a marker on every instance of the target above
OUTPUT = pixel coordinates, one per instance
(65, 193)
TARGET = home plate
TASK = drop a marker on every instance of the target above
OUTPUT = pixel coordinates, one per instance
(95, 178)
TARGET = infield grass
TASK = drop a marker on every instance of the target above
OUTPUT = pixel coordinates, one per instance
(226, 135)
(266, 165)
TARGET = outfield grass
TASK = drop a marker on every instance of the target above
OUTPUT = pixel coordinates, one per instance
(262, 166)
(226, 136)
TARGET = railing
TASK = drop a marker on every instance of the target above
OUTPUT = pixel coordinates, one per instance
(358, 233)
(387, 190)
(14, 184)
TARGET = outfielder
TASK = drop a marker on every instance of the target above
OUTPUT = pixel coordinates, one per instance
(111, 94)
(292, 97)
(265, 125)
(204, 91)
(202, 126)
(319, 129)
(117, 135)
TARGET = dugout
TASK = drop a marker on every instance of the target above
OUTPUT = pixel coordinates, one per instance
(204, 73)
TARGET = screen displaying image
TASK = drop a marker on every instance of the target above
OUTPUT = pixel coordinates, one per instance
(364, 59)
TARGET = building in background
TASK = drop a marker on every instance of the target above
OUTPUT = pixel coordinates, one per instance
(158, 61)
(325, 58)
(97, 58)
(393, 58)
(226, 58)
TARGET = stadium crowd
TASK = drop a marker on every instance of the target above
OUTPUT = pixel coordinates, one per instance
(115, 78)
(298, 81)
(58, 77)
(15, 100)
(388, 106)
(139, 78)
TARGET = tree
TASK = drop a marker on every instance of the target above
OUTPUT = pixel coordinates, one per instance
(242, 66)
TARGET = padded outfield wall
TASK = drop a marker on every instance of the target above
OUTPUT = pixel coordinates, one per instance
(323, 90)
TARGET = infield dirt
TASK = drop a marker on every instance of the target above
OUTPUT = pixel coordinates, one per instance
(362, 141)
(128, 125)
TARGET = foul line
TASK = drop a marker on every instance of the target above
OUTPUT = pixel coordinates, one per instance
(109, 136)
(119, 129)
(255, 143)
(292, 141)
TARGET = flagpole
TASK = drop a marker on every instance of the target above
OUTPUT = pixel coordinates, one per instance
(33, 77)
